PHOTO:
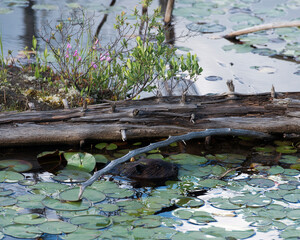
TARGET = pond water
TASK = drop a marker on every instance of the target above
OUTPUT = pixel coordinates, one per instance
(249, 65)
(234, 188)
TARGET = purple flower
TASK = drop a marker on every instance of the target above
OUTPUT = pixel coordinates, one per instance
(79, 59)
(69, 46)
(67, 55)
(94, 65)
(75, 53)
(108, 59)
(102, 58)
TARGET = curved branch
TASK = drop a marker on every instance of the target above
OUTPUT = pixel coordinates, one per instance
(171, 139)
(262, 27)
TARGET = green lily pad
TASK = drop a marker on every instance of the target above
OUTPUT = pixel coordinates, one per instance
(83, 234)
(212, 183)
(251, 200)
(30, 219)
(289, 159)
(266, 149)
(81, 161)
(30, 205)
(15, 165)
(48, 188)
(291, 172)
(71, 176)
(264, 52)
(223, 203)
(272, 213)
(294, 214)
(118, 193)
(107, 146)
(276, 194)
(243, 17)
(22, 231)
(201, 217)
(147, 222)
(108, 207)
(239, 48)
(182, 213)
(170, 222)
(257, 221)
(92, 222)
(189, 202)
(185, 158)
(10, 177)
(286, 149)
(206, 27)
(57, 227)
(291, 232)
(89, 193)
(218, 232)
(48, 7)
(292, 197)
(66, 206)
(100, 158)
(274, 170)
(287, 186)
(7, 201)
(4, 193)
(261, 182)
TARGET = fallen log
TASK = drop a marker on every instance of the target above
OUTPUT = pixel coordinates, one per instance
(153, 118)
(261, 27)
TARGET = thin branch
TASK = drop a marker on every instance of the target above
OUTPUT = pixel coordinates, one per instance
(262, 27)
(171, 139)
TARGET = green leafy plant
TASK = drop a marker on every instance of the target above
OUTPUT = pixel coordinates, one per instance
(122, 69)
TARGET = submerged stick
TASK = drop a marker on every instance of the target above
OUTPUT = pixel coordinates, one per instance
(262, 27)
(171, 139)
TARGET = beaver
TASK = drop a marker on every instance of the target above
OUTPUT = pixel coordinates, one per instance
(148, 170)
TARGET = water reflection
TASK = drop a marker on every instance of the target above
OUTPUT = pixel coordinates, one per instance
(29, 24)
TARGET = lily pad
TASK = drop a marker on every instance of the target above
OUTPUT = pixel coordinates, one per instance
(81, 161)
(48, 7)
(72, 176)
(286, 149)
(10, 177)
(7, 201)
(57, 227)
(83, 234)
(294, 214)
(189, 202)
(30, 219)
(48, 188)
(183, 213)
(4, 193)
(22, 231)
(108, 207)
(185, 158)
(261, 182)
(251, 200)
(206, 27)
(15, 165)
(223, 203)
(66, 206)
(100, 158)
(92, 222)
(107, 146)
(292, 197)
(89, 193)
(213, 78)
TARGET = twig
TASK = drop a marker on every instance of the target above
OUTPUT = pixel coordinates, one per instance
(171, 139)
(262, 27)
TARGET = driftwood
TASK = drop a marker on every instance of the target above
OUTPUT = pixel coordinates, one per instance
(262, 27)
(188, 136)
(153, 118)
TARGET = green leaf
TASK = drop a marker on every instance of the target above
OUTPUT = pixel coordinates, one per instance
(91, 222)
(82, 161)
(89, 193)
(30, 219)
(57, 227)
(251, 200)
(22, 231)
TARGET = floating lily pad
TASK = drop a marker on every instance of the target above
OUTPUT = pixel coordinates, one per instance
(4, 193)
(185, 158)
(70, 214)
(206, 27)
(10, 177)
(239, 48)
(292, 197)
(272, 213)
(213, 78)
(89, 193)
(30, 219)
(81, 161)
(286, 149)
(30, 205)
(15, 165)
(48, 7)
(57, 227)
(147, 222)
(83, 234)
(66, 206)
(48, 188)
(275, 170)
(22, 231)
(291, 172)
(264, 69)
(92, 222)
(276, 194)
(264, 51)
(7, 201)
(189, 202)
(291, 232)
(201, 217)
(27, 182)
(294, 214)
(289, 159)
(107, 146)
(251, 200)
(261, 182)
(119, 193)
(212, 183)
(108, 207)
(243, 17)
(100, 158)
(183, 213)
(223, 203)
(287, 186)
(257, 221)
(72, 176)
